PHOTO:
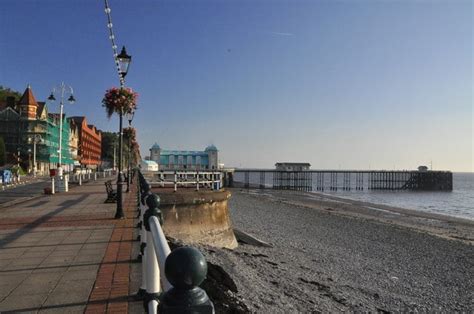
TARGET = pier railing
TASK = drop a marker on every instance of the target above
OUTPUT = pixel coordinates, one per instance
(334, 180)
(176, 179)
(184, 268)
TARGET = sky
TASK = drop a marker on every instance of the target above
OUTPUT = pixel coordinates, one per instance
(339, 84)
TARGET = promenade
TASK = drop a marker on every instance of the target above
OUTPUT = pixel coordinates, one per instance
(65, 253)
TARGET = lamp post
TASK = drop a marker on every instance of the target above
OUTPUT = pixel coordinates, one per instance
(36, 140)
(129, 118)
(60, 91)
(123, 60)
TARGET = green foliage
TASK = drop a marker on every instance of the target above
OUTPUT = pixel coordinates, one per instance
(3, 153)
(6, 91)
(109, 141)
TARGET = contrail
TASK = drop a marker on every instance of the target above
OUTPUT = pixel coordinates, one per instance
(281, 33)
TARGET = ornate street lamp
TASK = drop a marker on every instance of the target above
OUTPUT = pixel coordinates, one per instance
(129, 118)
(123, 60)
(61, 91)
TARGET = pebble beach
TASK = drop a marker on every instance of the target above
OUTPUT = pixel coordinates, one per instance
(334, 255)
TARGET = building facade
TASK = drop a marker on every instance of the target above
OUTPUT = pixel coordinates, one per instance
(185, 160)
(26, 120)
(74, 141)
(90, 143)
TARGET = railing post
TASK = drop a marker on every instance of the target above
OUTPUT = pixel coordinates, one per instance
(142, 194)
(185, 269)
(197, 180)
(175, 181)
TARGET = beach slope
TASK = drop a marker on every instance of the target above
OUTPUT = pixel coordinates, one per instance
(334, 255)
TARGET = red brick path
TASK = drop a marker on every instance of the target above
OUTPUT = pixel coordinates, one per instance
(110, 292)
(57, 221)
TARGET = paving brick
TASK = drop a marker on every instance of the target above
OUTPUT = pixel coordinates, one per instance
(57, 261)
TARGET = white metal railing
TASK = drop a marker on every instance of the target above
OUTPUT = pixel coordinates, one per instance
(156, 250)
(154, 253)
(175, 179)
(61, 184)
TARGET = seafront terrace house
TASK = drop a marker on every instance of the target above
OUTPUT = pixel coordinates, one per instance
(21, 121)
(89, 143)
(184, 159)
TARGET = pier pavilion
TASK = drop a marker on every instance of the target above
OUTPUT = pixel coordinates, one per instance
(185, 159)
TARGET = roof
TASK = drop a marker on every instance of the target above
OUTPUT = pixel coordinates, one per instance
(155, 146)
(293, 164)
(183, 153)
(78, 120)
(40, 109)
(28, 98)
(211, 148)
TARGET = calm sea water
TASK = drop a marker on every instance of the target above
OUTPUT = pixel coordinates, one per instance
(458, 203)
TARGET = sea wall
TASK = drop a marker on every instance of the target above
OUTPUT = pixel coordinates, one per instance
(197, 216)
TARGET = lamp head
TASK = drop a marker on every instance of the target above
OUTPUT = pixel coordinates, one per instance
(71, 99)
(51, 97)
(124, 62)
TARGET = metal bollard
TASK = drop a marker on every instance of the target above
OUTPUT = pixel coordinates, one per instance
(52, 186)
(185, 269)
(80, 179)
(66, 183)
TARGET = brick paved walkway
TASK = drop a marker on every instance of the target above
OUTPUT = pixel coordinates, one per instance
(65, 253)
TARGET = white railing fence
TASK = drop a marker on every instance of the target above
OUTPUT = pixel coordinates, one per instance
(61, 184)
(184, 268)
(176, 179)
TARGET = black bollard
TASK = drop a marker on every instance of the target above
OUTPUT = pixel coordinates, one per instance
(185, 269)
(153, 202)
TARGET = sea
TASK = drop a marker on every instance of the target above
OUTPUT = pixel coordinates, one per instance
(457, 203)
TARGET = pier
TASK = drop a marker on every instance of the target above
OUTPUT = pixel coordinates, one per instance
(346, 180)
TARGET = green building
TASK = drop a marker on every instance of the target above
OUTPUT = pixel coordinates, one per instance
(27, 121)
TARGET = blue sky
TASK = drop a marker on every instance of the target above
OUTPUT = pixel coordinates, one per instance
(341, 84)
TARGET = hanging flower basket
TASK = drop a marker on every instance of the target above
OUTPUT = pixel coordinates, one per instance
(119, 100)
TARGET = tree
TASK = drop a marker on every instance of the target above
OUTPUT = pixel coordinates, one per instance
(6, 91)
(109, 144)
(3, 153)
